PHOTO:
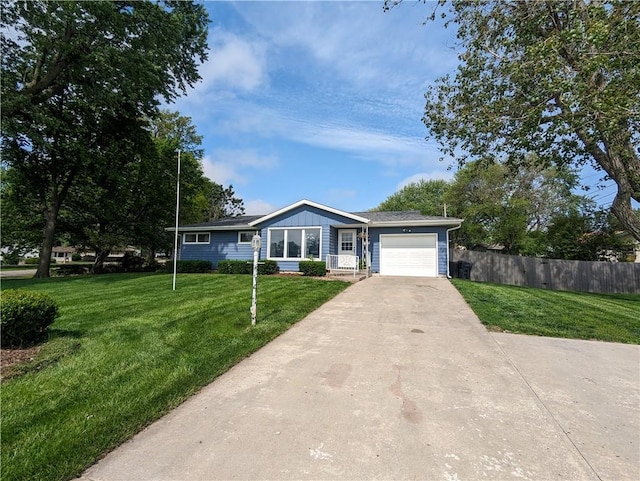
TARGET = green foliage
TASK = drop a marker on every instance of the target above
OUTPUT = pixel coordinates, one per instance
(75, 96)
(509, 207)
(125, 351)
(194, 266)
(75, 257)
(559, 79)
(70, 270)
(26, 317)
(232, 266)
(426, 196)
(587, 237)
(131, 262)
(312, 268)
(541, 312)
(32, 261)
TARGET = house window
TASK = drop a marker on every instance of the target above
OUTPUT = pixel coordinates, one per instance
(294, 243)
(195, 238)
(245, 237)
(346, 243)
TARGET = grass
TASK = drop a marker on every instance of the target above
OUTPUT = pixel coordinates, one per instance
(541, 312)
(126, 350)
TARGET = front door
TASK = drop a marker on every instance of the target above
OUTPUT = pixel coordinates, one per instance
(347, 242)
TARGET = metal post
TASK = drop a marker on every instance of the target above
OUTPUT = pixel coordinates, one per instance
(255, 288)
(175, 249)
(256, 242)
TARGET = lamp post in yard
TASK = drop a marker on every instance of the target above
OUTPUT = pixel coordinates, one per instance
(256, 242)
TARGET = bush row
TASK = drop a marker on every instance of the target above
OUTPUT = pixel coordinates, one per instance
(312, 268)
(265, 267)
(189, 266)
(26, 317)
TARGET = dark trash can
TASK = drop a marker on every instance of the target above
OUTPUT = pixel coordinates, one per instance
(464, 269)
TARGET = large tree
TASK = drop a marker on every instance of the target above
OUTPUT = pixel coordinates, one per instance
(427, 196)
(77, 76)
(557, 78)
(508, 206)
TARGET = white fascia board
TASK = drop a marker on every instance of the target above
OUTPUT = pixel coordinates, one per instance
(310, 204)
(348, 226)
(417, 223)
(210, 228)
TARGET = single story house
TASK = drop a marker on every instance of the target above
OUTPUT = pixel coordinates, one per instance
(404, 243)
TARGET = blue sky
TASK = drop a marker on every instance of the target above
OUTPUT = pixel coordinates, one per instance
(320, 100)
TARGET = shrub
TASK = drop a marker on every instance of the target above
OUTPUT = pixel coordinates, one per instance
(11, 258)
(312, 268)
(190, 266)
(75, 257)
(35, 260)
(268, 267)
(70, 269)
(265, 267)
(26, 317)
(132, 263)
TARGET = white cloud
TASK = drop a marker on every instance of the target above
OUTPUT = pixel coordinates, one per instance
(222, 173)
(434, 175)
(234, 63)
(258, 207)
(235, 166)
(358, 40)
(365, 142)
(340, 197)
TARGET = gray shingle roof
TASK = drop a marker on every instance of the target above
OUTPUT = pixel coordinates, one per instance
(240, 221)
(396, 216)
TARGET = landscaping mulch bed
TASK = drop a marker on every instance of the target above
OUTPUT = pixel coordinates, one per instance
(11, 359)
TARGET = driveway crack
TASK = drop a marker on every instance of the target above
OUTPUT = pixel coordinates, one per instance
(564, 431)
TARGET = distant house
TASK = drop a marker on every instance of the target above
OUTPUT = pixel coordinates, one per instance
(62, 254)
(404, 243)
(634, 253)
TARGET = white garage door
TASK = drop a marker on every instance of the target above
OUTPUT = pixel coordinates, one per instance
(409, 255)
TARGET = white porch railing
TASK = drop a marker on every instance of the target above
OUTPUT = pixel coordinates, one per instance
(343, 263)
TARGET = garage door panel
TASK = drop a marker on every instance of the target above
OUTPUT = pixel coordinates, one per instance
(409, 255)
(408, 241)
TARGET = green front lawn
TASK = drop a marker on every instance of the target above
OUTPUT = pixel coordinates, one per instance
(541, 312)
(125, 350)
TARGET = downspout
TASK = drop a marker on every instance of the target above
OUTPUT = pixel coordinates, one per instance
(449, 230)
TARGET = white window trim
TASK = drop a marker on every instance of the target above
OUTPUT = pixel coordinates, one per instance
(196, 234)
(252, 232)
(303, 246)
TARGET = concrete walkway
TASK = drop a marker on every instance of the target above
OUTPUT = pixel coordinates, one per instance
(396, 379)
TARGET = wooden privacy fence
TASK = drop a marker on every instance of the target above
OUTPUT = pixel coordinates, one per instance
(556, 274)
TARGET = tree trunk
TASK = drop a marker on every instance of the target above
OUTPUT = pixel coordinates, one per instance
(621, 208)
(150, 256)
(44, 262)
(98, 263)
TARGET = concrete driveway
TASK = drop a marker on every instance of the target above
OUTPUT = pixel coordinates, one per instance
(396, 378)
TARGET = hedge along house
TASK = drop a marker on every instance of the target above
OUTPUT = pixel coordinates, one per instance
(404, 243)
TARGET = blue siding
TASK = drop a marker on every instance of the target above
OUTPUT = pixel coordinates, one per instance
(223, 245)
(306, 216)
(374, 237)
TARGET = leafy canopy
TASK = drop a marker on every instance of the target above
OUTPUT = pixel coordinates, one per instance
(558, 79)
(77, 80)
(427, 196)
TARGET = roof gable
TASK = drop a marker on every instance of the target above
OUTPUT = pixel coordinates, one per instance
(309, 203)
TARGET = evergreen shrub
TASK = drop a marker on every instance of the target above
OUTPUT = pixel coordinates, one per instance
(26, 317)
(312, 268)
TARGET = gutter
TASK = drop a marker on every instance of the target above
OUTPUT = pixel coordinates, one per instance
(449, 230)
